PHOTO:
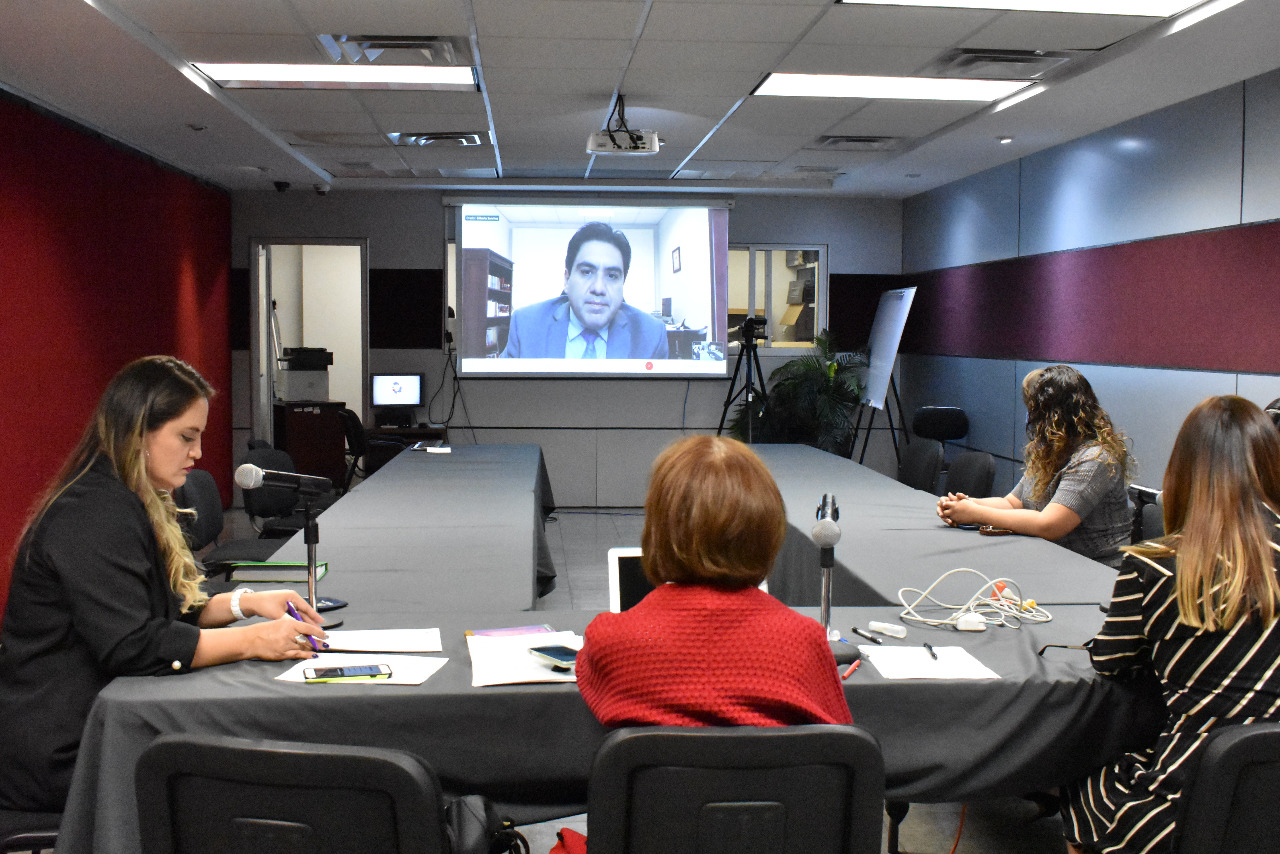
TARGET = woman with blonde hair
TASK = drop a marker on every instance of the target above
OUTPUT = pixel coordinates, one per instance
(104, 585)
(1073, 490)
(707, 647)
(1196, 608)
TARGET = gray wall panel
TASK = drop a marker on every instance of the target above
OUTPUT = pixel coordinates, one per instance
(1171, 171)
(966, 222)
(1261, 149)
(862, 235)
(1260, 388)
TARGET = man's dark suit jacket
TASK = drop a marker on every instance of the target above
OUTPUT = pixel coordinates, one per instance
(540, 331)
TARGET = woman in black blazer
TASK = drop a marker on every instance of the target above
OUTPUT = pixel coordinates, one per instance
(104, 585)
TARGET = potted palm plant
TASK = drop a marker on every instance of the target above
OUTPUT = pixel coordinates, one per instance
(812, 400)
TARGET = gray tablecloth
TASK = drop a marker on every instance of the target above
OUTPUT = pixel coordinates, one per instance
(891, 537)
(459, 530)
(1046, 720)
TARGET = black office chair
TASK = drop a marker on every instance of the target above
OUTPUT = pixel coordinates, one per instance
(943, 423)
(920, 464)
(1148, 514)
(213, 794)
(972, 473)
(357, 444)
(200, 493)
(28, 831)
(1228, 804)
(747, 790)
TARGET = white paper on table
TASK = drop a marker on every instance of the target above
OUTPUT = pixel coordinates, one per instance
(915, 662)
(405, 669)
(385, 640)
(506, 660)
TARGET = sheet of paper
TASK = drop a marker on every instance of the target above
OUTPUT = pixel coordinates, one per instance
(915, 662)
(506, 660)
(405, 669)
(385, 640)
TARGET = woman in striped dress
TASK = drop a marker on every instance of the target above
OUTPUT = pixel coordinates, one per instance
(1198, 608)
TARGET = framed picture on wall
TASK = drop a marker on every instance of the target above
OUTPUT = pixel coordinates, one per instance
(675, 260)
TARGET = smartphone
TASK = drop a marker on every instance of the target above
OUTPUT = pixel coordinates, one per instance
(560, 657)
(349, 673)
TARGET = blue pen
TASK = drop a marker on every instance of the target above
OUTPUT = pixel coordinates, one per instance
(293, 612)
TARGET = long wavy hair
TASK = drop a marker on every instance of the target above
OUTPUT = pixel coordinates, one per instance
(1063, 414)
(143, 396)
(1221, 496)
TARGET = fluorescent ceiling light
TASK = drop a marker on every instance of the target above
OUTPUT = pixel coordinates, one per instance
(899, 88)
(267, 76)
(1029, 92)
(1142, 8)
(1197, 15)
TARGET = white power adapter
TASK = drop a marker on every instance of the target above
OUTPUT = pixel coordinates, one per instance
(971, 622)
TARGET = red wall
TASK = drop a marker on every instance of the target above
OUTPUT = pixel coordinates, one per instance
(104, 257)
(1206, 301)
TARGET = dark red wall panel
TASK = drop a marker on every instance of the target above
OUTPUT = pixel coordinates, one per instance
(1207, 301)
(104, 257)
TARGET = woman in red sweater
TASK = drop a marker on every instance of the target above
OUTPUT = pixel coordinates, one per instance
(707, 647)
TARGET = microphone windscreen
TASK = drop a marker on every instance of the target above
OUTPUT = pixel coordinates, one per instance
(826, 533)
(248, 476)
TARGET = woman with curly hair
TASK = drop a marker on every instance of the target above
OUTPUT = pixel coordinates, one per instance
(1073, 489)
(1197, 609)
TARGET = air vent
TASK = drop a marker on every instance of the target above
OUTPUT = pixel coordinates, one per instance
(397, 50)
(855, 143)
(460, 138)
(975, 64)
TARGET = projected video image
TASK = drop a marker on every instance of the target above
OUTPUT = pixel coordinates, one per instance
(571, 289)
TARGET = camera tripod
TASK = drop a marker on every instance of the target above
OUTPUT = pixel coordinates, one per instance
(746, 355)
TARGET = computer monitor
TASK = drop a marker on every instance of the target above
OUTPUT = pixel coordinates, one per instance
(395, 389)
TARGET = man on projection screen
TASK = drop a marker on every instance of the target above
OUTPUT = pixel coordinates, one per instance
(589, 320)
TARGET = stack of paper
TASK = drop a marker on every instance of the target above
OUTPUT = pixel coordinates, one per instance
(915, 662)
(385, 640)
(506, 660)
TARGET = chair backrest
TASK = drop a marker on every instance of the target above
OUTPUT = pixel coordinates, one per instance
(747, 790)
(1229, 802)
(920, 464)
(28, 831)
(200, 493)
(207, 794)
(353, 427)
(944, 423)
(267, 502)
(972, 473)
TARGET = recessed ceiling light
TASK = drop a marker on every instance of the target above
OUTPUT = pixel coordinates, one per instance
(897, 88)
(269, 76)
(1004, 140)
(1143, 8)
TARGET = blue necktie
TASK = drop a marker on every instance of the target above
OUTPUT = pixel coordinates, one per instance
(590, 338)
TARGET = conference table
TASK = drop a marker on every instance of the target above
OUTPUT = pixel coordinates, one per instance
(1047, 719)
(463, 529)
(891, 538)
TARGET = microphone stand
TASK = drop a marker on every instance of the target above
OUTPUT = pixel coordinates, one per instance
(311, 536)
(826, 533)
(827, 562)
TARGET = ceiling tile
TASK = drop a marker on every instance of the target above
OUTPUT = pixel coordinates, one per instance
(245, 47)
(548, 81)
(731, 143)
(382, 17)
(1056, 31)
(554, 19)
(704, 21)
(286, 100)
(646, 82)
(909, 119)
(215, 16)
(900, 26)
(554, 53)
(757, 57)
(794, 116)
(873, 60)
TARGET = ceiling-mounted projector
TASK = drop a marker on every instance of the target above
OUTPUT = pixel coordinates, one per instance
(623, 142)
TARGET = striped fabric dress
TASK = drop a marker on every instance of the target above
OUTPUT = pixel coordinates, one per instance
(1210, 679)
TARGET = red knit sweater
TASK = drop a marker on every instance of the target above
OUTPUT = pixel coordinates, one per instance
(689, 655)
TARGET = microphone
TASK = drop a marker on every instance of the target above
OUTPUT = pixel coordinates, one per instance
(826, 533)
(249, 476)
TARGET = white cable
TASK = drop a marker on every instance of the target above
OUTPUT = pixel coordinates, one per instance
(999, 602)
